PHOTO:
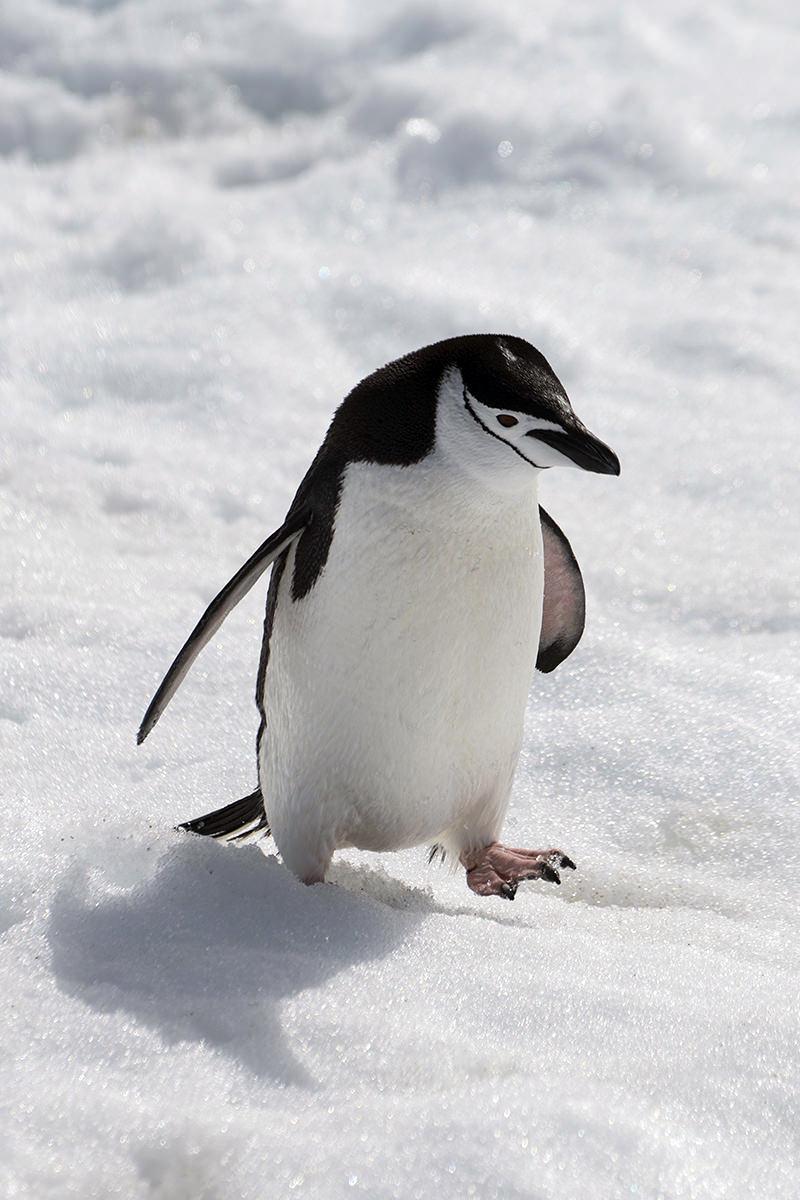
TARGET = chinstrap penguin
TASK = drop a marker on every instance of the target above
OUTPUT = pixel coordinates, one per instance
(416, 584)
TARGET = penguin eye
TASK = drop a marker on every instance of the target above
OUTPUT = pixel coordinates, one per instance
(507, 420)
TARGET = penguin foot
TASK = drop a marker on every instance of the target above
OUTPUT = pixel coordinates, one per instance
(497, 870)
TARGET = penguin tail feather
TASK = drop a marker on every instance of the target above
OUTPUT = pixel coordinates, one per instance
(242, 819)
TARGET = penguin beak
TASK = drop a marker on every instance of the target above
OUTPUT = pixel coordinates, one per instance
(581, 447)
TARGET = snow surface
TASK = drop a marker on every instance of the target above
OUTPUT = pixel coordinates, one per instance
(215, 217)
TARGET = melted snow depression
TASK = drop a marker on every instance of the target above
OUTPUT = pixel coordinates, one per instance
(216, 219)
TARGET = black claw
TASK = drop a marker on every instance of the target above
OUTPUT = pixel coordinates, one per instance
(550, 873)
(567, 862)
(508, 890)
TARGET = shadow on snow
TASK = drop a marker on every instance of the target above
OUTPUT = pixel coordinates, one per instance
(206, 949)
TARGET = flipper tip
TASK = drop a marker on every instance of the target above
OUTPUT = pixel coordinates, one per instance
(146, 726)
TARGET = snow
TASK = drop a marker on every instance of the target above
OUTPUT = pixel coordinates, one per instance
(214, 219)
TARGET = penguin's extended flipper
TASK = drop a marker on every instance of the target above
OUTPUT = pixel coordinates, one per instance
(218, 610)
(564, 605)
(238, 820)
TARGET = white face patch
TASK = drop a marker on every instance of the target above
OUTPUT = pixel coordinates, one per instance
(521, 435)
(501, 456)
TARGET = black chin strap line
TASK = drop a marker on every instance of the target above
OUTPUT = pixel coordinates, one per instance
(492, 433)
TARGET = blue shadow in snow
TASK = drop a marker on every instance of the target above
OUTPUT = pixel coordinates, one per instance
(206, 948)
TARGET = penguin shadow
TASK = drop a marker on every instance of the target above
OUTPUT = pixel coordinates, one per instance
(206, 949)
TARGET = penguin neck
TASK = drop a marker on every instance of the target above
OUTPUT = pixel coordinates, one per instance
(469, 491)
(440, 492)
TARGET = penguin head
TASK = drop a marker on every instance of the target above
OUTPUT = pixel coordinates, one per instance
(502, 414)
(488, 404)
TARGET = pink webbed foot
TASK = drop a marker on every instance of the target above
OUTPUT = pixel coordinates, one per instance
(497, 870)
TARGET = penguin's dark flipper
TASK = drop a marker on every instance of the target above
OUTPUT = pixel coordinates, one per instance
(564, 605)
(218, 610)
(238, 820)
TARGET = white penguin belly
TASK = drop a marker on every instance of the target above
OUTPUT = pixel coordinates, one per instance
(395, 689)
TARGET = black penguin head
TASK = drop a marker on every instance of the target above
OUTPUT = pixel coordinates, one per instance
(490, 401)
(500, 406)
